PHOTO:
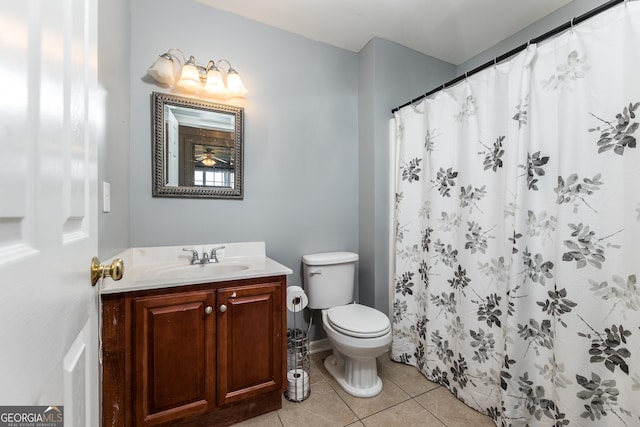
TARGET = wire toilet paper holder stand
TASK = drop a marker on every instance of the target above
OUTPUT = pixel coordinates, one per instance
(298, 363)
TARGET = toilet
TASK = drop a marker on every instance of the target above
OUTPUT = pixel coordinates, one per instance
(358, 334)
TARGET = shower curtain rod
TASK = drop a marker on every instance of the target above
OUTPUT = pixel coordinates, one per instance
(518, 49)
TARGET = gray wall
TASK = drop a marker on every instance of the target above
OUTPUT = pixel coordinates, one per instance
(316, 134)
(559, 17)
(301, 136)
(316, 140)
(113, 150)
(389, 75)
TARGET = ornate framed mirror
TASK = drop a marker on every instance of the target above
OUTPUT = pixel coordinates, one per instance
(197, 148)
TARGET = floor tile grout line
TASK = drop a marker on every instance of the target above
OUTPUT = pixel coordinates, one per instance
(396, 383)
(413, 398)
(362, 419)
(385, 409)
(410, 397)
(345, 402)
(334, 390)
(408, 392)
(280, 419)
(354, 412)
(427, 409)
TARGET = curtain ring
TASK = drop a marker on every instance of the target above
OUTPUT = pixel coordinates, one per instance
(572, 24)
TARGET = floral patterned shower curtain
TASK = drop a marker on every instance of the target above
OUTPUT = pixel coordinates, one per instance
(518, 232)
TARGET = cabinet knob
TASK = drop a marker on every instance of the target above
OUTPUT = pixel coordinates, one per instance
(208, 310)
(223, 308)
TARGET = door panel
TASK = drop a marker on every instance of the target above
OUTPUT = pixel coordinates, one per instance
(48, 232)
(77, 378)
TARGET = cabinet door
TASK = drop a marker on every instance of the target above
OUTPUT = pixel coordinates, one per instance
(174, 356)
(250, 343)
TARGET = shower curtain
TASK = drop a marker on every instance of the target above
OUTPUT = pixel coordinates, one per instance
(517, 218)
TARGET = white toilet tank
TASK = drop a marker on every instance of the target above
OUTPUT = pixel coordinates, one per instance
(329, 278)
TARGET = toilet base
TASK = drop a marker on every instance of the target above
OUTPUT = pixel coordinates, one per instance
(359, 378)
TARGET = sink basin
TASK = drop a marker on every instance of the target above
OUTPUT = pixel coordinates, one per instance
(149, 268)
(191, 271)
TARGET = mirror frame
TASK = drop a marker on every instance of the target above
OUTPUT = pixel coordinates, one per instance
(159, 175)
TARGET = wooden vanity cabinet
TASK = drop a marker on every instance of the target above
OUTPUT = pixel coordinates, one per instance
(173, 357)
(250, 351)
(200, 355)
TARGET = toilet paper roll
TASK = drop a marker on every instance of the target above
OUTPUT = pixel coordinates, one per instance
(298, 384)
(297, 376)
(299, 395)
(296, 299)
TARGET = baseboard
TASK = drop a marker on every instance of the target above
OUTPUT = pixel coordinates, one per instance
(318, 346)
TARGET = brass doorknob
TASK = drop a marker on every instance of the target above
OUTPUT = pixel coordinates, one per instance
(115, 270)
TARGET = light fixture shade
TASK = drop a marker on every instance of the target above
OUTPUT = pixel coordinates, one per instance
(196, 78)
(234, 83)
(214, 84)
(162, 70)
(208, 161)
(190, 76)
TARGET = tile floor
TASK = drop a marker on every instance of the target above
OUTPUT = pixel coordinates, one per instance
(407, 399)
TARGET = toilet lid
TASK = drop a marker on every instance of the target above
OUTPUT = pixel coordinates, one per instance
(358, 321)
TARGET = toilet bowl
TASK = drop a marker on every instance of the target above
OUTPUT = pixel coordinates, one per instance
(358, 334)
(353, 362)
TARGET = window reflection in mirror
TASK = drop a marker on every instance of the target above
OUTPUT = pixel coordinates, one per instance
(209, 168)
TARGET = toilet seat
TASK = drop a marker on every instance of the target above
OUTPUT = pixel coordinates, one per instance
(358, 321)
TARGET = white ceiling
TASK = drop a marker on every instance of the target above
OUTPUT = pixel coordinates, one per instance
(451, 30)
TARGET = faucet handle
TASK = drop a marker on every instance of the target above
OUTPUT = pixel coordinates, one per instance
(214, 250)
(214, 253)
(194, 257)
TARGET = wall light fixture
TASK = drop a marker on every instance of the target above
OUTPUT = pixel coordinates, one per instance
(212, 78)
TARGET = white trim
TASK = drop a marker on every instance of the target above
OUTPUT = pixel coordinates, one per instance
(318, 346)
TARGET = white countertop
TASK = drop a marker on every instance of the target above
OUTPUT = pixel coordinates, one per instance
(169, 266)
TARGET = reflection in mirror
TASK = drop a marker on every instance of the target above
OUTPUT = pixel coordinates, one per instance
(200, 147)
(197, 148)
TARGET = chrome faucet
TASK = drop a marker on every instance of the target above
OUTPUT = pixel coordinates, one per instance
(194, 256)
(206, 259)
(214, 254)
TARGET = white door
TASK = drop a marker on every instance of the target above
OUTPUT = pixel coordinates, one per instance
(49, 119)
(173, 148)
